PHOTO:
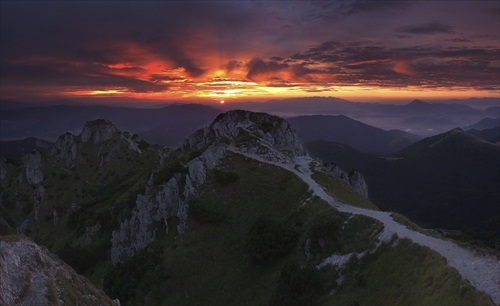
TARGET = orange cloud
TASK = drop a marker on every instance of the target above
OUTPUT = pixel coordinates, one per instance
(403, 67)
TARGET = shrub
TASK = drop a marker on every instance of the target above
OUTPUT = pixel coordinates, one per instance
(206, 211)
(298, 286)
(143, 270)
(224, 177)
(168, 170)
(325, 233)
(268, 240)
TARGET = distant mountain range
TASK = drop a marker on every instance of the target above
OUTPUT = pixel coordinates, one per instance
(486, 123)
(167, 126)
(356, 134)
(491, 135)
(450, 180)
(417, 117)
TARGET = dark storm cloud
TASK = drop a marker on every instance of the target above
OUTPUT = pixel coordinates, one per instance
(102, 31)
(257, 67)
(430, 28)
(161, 77)
(231, 65)
(350, 63)
(64, 74)
(460, 40)
(358, 6)
(333, 52)
(327, 10)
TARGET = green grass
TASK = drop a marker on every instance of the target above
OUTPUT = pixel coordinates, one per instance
(459, 238)
(51, 294)
(102, 194)
(341, 191)
(407, 274)
(212, 264)
(26, 287)
(399, 218)
(360, 234)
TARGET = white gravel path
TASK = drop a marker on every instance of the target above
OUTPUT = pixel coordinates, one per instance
(482, 271)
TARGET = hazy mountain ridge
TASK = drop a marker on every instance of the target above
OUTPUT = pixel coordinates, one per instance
(417, 117)
(491, 135)
(445, 181)
(250, 225)
(171, 124)
(15, 149)
(486, 123)
(168, 126)
(344, 130)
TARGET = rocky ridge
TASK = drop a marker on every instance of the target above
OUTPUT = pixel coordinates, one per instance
(110, 141)
(99, 137)
(270, 137)
(30, 275)
(33, 167)
(353, 178)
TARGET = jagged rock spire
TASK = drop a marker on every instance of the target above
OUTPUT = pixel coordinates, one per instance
(98, 131)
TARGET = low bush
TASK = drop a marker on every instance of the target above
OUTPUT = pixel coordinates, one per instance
(224, 177)
(298, 286)
(206, 211)
(269, 240)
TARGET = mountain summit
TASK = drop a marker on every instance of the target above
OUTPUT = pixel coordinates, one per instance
(268, 137)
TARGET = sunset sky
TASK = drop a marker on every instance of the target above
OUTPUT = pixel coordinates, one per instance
(361, 50)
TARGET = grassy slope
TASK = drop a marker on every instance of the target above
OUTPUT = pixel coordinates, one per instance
(212, 264)
(84, 196)
(448, 181)
(339, 190)
(407, 274)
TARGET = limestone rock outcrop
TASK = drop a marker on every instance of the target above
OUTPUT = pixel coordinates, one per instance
(109, 140)
(357, 181)
(269, 137)
(354, 178)
(30, 275)
(33, 167)
(98, 131)
(65, 149)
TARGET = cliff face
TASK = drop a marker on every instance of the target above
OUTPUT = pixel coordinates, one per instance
(98, 131)
(48, 186)
(33, 167)
(65, 149)
(357, 181)
(269, 137)
(354, 178)
(109, 140)
(30, 275)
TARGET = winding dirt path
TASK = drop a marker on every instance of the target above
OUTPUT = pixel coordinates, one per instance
(482, 271)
